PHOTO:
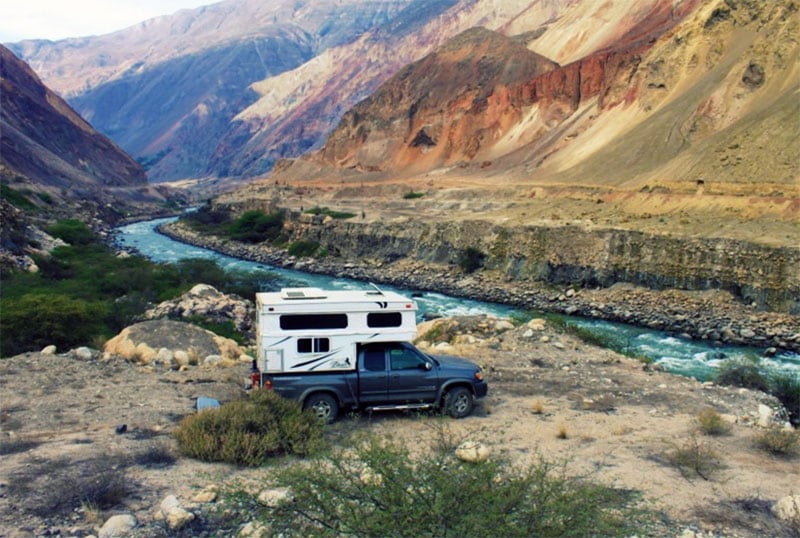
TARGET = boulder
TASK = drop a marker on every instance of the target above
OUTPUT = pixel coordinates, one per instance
(175, 515)
(274, 497)
(118, 526)
(49, 350)
(145, 342)
(206, 301)
(472, 451)
(788, 509)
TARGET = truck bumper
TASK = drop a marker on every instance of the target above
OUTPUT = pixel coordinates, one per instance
(481, 389)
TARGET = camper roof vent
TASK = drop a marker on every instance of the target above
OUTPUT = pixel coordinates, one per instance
(302, 293)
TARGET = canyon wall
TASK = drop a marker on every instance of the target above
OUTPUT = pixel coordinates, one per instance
(572, 255)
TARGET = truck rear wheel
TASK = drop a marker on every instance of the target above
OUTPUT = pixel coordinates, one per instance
(458, 402)
(323, 405)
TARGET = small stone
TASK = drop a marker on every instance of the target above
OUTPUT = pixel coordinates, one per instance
(212, 360)
(49, 350)
(765, 414)
(83, 353)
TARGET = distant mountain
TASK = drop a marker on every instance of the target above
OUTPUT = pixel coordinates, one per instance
(228, 89)
(45, 140)
(167, 89)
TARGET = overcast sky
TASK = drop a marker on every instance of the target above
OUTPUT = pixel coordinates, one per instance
(57, 19)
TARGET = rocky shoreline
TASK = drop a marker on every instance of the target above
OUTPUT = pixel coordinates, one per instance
(704, 315)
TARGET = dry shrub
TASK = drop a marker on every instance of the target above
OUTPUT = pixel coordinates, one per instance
(779, 441)
(710, 422)
(46, 488)
(695, 458)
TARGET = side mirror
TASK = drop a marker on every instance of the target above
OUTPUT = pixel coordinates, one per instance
(427, 366)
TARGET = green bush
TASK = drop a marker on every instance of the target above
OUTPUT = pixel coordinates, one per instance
(303, 248)
(471, 259)
(742, 372)
(695, 458)
(256, 226)
(249, 432)
(34, 321)
(379, 489)
(785, 386)
(73, 232)
(411, 195)
(16, 198)
(331, 213)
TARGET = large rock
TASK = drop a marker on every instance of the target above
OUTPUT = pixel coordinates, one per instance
(144, 341)
(788, 509)
(206, 301)
(118, 526)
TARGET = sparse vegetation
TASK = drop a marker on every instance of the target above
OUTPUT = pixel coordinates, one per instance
(379, 489)
(331, 213)
(303, 248)
(742, 372)
(48, 488)
(471, 259)
(710, 422)
(249, 432)
(16, 198)
(779, 441)
(411, 195)
(695, 458)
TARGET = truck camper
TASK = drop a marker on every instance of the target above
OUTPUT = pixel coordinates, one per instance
(314, 330)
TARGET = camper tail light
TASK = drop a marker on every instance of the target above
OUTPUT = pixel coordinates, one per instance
(479, 375)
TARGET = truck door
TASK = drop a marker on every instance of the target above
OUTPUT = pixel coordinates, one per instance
(409, 380)
(372, 375)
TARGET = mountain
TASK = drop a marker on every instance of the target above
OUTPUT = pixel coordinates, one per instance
(694, 94)
(167, 89)
(47, 141)
(260, 81)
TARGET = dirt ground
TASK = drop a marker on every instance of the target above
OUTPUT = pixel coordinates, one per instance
(611, 418)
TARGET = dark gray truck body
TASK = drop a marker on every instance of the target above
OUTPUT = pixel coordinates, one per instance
(388, 375)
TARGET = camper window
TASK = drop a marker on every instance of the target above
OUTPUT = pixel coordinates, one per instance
(313, 345)
(304, 322)
(384, 319)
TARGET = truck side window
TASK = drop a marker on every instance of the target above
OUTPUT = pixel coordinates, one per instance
(404, 359)
(313, 345)
(375, 361)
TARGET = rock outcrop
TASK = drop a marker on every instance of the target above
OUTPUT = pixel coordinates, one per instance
(172, 344)
(207, 302)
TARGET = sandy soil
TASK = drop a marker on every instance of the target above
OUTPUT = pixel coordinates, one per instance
(619, 418)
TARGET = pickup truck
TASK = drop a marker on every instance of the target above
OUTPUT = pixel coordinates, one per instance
(387, 376)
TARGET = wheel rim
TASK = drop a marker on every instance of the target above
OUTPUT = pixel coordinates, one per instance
(461, 402)
(322, 409)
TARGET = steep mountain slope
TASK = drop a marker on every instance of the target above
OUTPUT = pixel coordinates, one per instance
(694, 95)
(166, 89)
(305, 104)
(44, 139)
(260, 81)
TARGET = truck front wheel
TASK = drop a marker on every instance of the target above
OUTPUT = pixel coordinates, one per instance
(458, 402)
(323, 405)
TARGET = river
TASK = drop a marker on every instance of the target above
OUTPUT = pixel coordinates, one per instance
(687, 357)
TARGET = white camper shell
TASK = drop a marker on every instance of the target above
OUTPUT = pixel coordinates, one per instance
(315, 330)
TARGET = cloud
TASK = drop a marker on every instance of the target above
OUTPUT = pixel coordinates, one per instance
(59, 19)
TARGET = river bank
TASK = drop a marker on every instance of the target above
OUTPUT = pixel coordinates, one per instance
(713, 316)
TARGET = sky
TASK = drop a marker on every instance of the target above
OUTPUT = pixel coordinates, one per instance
(58, 19)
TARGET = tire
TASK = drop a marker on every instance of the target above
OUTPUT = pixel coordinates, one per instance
(324, 406)
(458, 402)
